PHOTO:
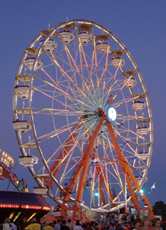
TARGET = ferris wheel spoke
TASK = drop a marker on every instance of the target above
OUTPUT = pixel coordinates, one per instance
(57, 112)
(96, 65)
(122, 87)
(67, 150)
(113, 79)
(76, 67)
(114, 163)
(110, 161)
(73, 82)
(114, 82)
(103, 84)
(64, 154)
(65, 74)
(106, 65)
(103, 180)
(131, 131)
(71, 98)
(75, 128)
(134, 153)
(59, 101)
(52, 134)
(128, 117)
(82, 53)
(91, 84)
(124, 101)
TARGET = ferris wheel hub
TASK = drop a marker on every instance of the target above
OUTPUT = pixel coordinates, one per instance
(100, 112)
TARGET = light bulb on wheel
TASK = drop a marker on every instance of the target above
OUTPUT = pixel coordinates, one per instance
(111, 113)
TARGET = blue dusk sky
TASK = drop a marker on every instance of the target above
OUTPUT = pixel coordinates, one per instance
(139, 24)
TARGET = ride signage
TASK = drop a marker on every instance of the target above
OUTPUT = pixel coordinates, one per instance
(77, 216)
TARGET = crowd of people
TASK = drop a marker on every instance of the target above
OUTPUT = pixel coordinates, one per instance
(112, 222)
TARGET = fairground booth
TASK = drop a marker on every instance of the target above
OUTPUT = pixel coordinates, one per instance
(17, 205)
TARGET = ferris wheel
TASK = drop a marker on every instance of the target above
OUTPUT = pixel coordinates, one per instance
(82, 117)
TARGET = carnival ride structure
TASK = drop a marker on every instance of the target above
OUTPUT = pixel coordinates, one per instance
(7, 163)
(83, 118)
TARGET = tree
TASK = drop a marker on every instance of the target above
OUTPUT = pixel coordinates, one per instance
(159, 208)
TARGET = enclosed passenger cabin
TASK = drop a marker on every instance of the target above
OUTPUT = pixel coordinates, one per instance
(84, 35)
(117, 59)
(30, 61)
(143, 155)
(22, 91)
(138, 105)
(102, 47)
(22, 126)
(66, 36)
(28, 161)
(103, 43)
(117, 62)
(143, 131)
(130, 82)
(50, 45)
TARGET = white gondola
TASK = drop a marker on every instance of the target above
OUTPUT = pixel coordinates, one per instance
(41, 191)
(50, 45)
(130, 82)
(28, 161)
(143, 155)
(138, 105)
(22, 91)
(29, 63)
(117, 62)
(102, 47)
(85, 37)
(66, 36)
(22, 126)
(143, 131)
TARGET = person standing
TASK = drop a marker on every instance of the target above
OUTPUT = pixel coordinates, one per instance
(6, 223)
(64, 226)
(48, 226)
(118, 226)
(69, 224)
(136, 225)
(147, 224)
(157, 224)
(77, 226)
(57, 226)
